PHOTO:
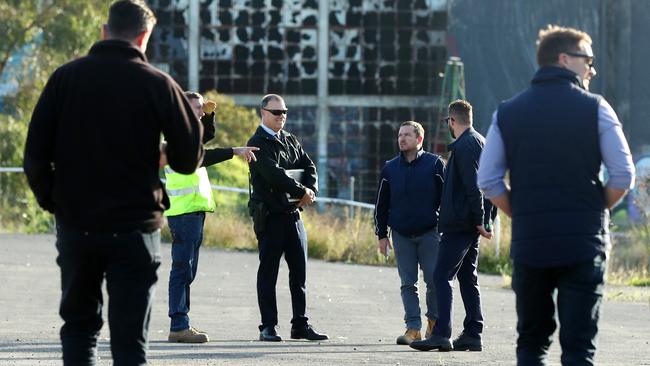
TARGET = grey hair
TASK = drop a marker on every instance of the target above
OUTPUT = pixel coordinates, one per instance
(269, 97)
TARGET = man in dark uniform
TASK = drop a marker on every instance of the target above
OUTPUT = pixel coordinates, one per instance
(464, 217)
(98, 174)
(275, 204)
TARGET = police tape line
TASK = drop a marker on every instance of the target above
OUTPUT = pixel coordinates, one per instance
(11, 170)
(338, 201)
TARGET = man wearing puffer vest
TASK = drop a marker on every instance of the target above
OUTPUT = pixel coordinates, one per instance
(553, 138)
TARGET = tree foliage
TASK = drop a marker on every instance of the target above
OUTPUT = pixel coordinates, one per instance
(44, 34)
(37, 36)
(235, 125)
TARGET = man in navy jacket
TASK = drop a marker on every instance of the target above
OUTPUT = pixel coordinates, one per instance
(408, 198)
(553, 138)
(464, 217)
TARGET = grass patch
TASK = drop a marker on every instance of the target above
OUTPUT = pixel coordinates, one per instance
(494, 258)
(628, 294)
(639, 282)
(344, 235)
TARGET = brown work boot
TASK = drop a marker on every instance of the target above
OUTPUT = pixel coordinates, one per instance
(430, 324)
(410, 336)
(189, 335)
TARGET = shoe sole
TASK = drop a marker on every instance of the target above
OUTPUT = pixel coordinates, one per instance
(182, 341)
(405, 343)
(469, 348)
(307, 339)
(270, 340)
(430, 348)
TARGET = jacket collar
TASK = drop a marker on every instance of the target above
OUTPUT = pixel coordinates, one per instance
(117, 47)
(268, 130)
(262, 132)
(452, 146)
(547, 74)
(402, 158)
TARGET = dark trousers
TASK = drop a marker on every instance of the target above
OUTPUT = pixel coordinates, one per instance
(577, 292)
(458, 257)
(129, 262)
(284, 233)
(187, 237)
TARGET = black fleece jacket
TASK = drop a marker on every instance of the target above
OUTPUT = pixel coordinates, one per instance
(93, 144)
(216, 155)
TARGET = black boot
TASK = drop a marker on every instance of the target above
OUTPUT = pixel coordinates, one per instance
(308, 333)
(440, 343)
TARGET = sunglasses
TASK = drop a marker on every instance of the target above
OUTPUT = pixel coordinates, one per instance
(447, 119)
(588, 58)
(276, 112)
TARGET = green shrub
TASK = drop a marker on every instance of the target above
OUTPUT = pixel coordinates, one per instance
(489, 260)
(639, 282)
(346, 236)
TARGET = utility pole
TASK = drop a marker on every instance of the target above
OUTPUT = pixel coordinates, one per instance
(193, 46)
(323, 94)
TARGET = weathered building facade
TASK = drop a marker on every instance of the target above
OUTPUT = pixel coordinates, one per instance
(351, 70)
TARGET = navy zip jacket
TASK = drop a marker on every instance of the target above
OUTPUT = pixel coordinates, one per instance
(408, 196)
(463, 206)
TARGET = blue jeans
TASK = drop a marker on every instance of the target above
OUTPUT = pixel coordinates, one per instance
(409, 252)
(576, 291)
(458, 257)
(129, 261)
(187, 236)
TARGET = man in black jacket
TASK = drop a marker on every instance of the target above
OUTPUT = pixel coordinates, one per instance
(275, 202)
(98, 174)
(464, 216)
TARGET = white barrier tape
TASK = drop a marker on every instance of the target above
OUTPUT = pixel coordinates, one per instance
(339, 201)
(11, 170)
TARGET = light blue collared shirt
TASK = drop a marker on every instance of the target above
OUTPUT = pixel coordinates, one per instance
(613, 149)
(270, 131)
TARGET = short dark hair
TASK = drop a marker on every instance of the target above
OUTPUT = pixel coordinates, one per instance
(419, 130)
(554, 40)
(462, 110)
(128, 18)
(267, 98)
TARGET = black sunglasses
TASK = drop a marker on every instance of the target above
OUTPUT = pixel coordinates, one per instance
(447, 119)
(276, 112)
(589, 58)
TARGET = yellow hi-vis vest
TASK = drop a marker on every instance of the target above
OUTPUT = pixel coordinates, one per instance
(188, 192)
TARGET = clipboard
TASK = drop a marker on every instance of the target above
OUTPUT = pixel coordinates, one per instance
(295, 174)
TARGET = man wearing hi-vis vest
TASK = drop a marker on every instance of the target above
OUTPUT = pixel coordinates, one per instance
(190, 197)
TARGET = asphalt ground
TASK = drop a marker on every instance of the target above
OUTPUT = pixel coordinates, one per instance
(358, 306)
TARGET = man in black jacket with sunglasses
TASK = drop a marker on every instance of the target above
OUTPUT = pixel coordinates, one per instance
(275, 204)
